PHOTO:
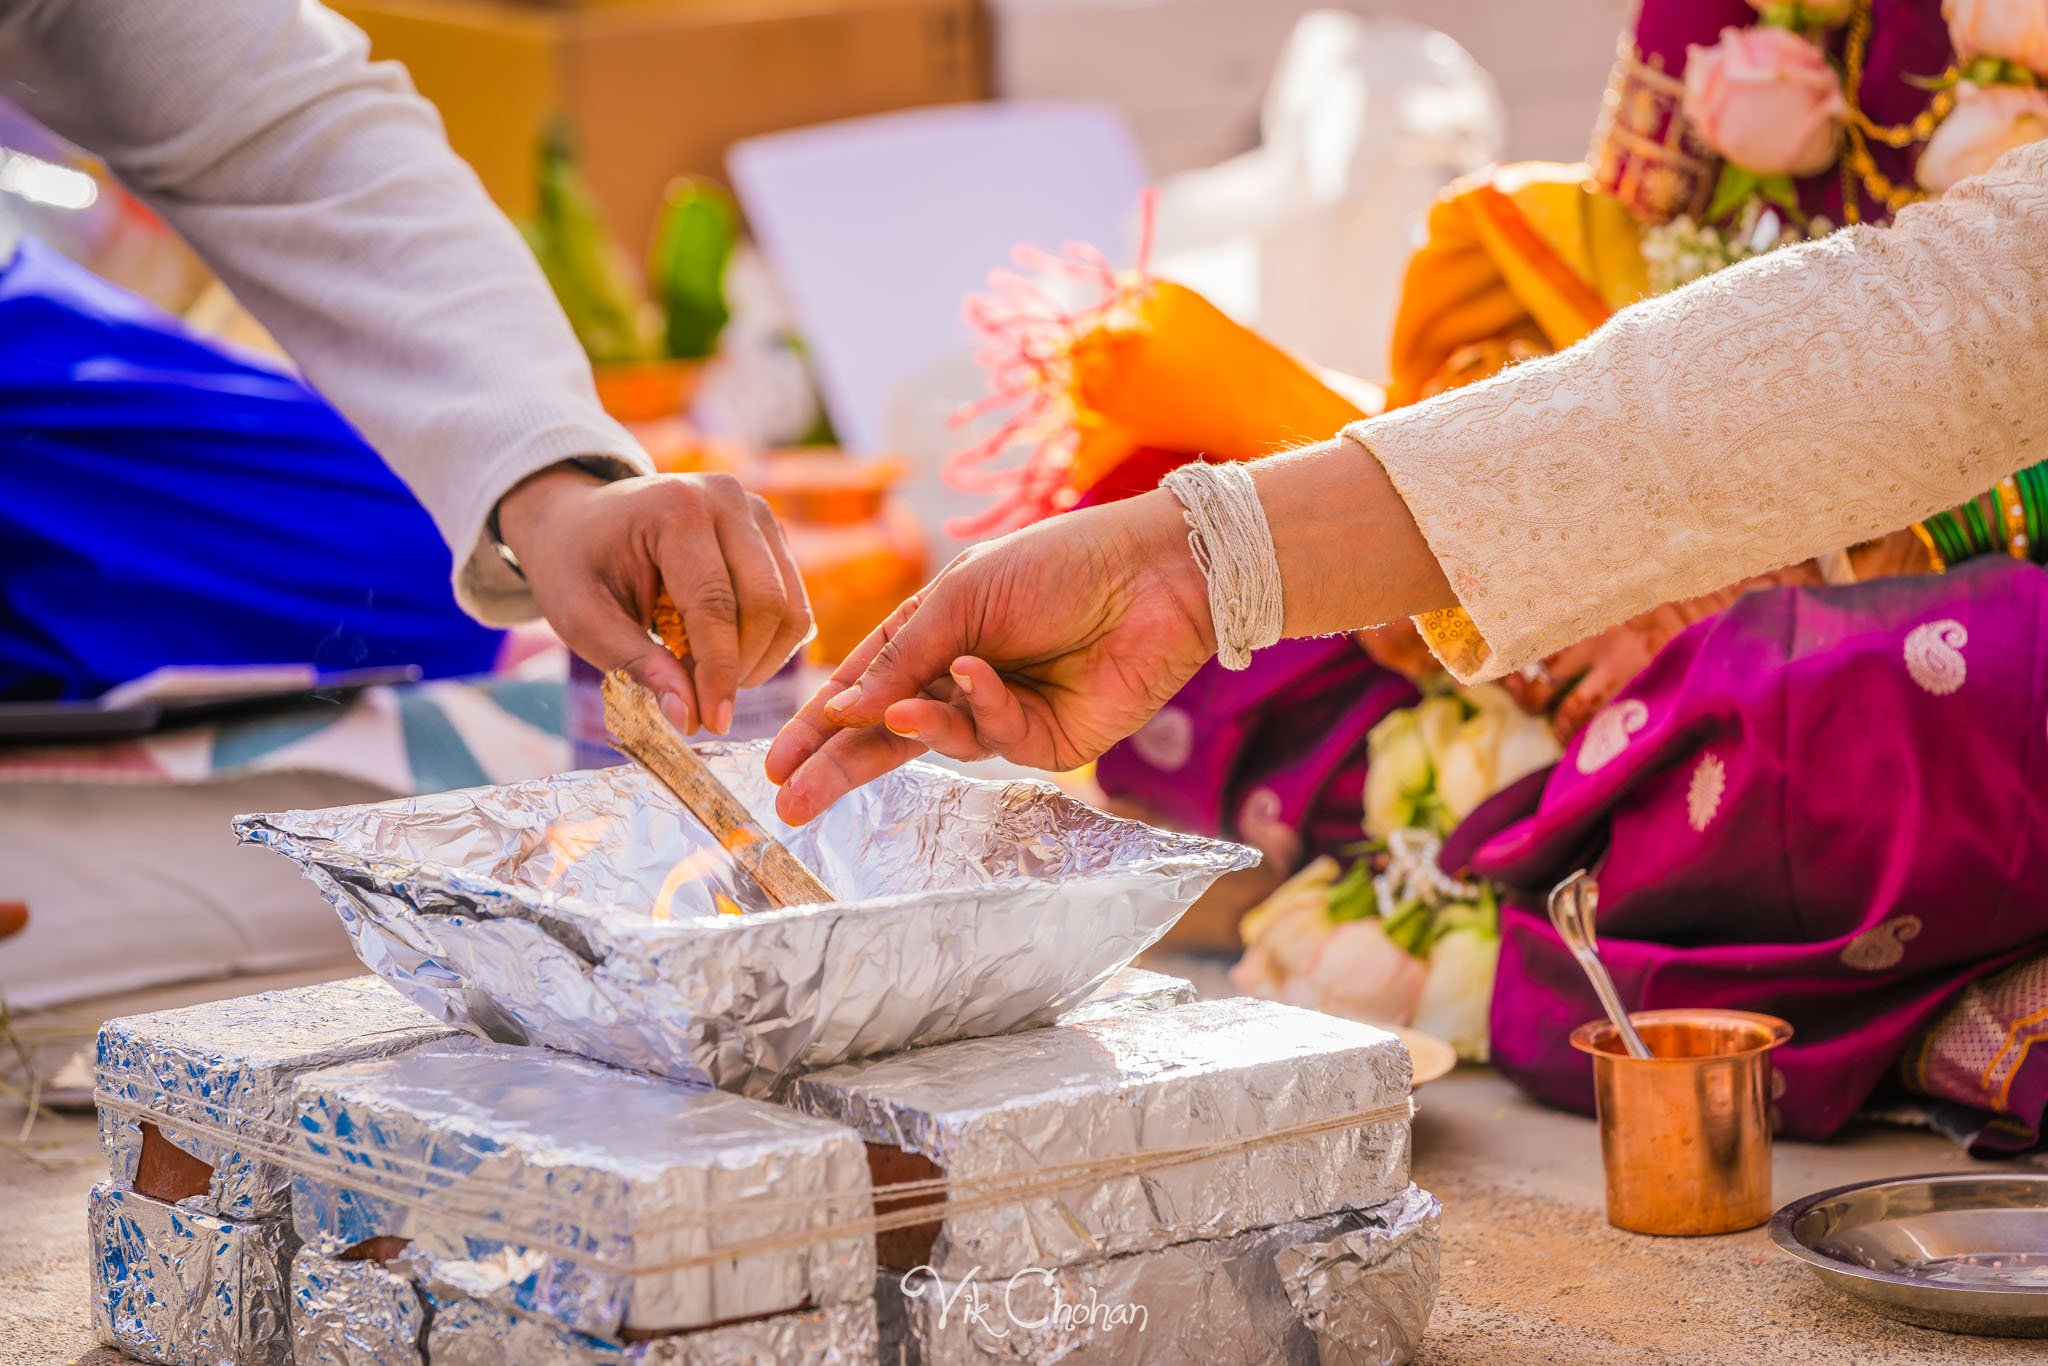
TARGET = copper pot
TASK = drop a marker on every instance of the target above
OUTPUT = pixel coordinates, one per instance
(1685, 1134)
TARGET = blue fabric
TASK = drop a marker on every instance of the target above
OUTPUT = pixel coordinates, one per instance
(165, 501)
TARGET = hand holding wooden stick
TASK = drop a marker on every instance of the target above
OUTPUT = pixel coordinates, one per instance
(640, 730)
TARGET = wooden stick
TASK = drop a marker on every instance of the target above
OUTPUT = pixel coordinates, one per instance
(639, 729)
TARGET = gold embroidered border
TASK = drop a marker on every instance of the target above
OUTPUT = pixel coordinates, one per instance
(1644, 152)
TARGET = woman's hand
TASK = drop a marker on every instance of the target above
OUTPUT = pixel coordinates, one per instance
(1044, 647)
(1580, 679)
(596, 554)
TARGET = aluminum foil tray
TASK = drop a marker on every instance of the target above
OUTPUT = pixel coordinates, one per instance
(1132, 989)
(1135, 1082)
(582, 912)
(596, 1198)
(354, 1313)
(176, 1286)
(1349, 1289)
(228, 1067)
(467, 1333)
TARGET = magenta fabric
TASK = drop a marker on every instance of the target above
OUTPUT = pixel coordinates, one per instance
(1908, 42)
(1273, 755)
(1827, 804)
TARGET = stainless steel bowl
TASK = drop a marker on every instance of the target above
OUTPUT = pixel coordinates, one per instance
(1966, 1253)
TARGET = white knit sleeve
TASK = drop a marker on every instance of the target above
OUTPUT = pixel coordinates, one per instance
(321, 189)
(1803, 401)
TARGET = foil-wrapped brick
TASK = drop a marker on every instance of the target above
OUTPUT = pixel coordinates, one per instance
(596, 1198)
(1132, 989)
(227, 1068)
(583, 912)
(354, 1313)
(1223, 1074)
(1353, 1288)
(469, 1333)
(176, 1286)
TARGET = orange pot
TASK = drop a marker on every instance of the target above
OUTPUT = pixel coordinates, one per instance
(648, 390)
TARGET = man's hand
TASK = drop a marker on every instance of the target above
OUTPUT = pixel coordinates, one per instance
(596, 554)
(1045, 647)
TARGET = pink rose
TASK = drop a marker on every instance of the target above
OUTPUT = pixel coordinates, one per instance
(1286, 944)
(1360, 973)
(1767, 100)
(2009, 30)
(1987, 122)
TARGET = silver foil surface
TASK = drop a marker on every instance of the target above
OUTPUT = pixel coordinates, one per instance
(354, 1313)
(1132, 989)
(176, 1286)
(1348, 1289)
(563, 1188)
(467, 1333)
(1139, 1081)
(230, 1065)
(582, 912)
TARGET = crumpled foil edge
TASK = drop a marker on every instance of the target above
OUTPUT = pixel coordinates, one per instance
(174, 1285)
(1355, 1288)
(1033, 901)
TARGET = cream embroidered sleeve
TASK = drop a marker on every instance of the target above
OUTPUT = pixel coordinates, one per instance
(1800, 402)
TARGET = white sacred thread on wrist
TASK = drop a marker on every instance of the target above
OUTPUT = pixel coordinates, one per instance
(1228, 534)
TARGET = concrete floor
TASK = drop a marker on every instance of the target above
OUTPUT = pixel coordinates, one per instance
(1533, 1274)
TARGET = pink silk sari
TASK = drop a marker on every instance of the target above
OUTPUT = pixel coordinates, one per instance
(1827, 804)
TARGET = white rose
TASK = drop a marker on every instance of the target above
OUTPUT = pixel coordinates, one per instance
(1464, 772)
(1987, 122)
(1282, 934)
(1438, 720)
(1526, 744)
(1496, 745)
(1457, 993)
(1399, 775)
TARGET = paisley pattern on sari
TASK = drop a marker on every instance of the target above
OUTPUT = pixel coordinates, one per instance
(1876, 863)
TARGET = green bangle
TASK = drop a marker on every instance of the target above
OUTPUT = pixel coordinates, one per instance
(1980, 530)
(1948, 538)
(2033, 485)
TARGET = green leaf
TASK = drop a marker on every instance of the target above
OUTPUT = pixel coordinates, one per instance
(1352, 896)
(1983, 70)
(1409, 927)
(1731, 192)
(1779, 190)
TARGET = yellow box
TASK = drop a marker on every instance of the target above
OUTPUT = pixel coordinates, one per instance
(659, 88)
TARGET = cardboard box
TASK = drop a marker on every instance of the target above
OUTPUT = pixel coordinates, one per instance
(661, 88)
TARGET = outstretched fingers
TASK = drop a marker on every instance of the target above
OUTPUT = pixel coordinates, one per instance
(846, 760)
(803, 734)
(978, 716)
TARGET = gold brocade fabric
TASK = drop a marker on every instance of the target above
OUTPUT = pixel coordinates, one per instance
(1644, 152)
